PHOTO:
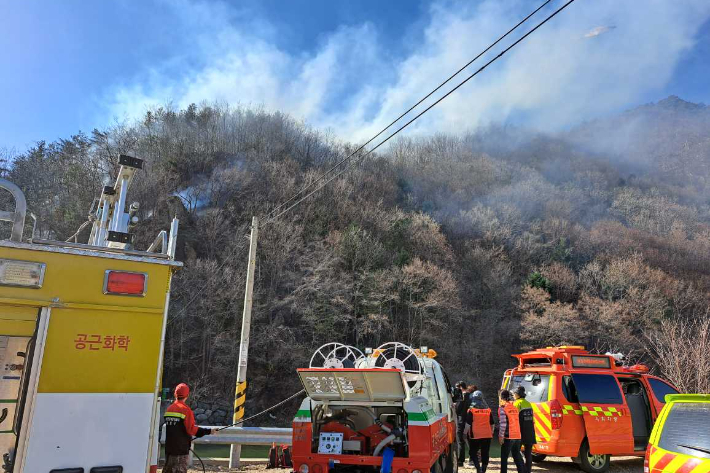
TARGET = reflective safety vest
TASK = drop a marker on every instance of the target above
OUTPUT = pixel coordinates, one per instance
(481, 425)
(511, 412)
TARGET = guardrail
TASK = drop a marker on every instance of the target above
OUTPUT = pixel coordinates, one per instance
(244, 436)
(248, 436)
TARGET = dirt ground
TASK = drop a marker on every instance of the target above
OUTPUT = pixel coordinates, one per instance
(553, 465)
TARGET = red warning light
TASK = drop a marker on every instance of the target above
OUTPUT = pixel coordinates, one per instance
(125, 283)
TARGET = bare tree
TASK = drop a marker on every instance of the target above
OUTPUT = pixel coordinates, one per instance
(681, 348)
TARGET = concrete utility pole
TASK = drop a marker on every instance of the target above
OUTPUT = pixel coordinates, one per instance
(240, 391)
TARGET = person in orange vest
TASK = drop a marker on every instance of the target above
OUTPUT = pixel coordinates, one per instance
(509, 433)
(180, 428)
(479, 420)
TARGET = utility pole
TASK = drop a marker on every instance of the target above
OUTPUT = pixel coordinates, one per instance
(241, 387)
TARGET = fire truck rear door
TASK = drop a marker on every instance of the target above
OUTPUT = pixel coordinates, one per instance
(17, 326)
(348, 384)
(606, 417)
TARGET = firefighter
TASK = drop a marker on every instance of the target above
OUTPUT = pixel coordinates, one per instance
(509, 433)
(527, 426)
(180, 428)
(462, 403)
(479, 420)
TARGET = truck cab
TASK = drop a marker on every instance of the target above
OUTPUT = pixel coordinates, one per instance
(586, 406)
(390, 409)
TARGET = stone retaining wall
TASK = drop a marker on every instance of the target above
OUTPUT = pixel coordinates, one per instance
(212, 413)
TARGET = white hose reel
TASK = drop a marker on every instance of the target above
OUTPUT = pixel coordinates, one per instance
(395, 355)
(335, 355)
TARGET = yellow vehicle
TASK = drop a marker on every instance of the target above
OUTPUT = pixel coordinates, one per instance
(81, 341)
(680, 441)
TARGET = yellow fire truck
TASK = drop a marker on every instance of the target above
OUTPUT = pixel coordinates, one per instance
(82, 329)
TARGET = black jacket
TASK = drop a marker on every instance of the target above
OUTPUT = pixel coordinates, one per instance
(180, 428)
(462, 404)
(527, 426)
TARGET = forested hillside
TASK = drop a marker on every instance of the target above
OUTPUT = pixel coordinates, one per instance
(478, 246)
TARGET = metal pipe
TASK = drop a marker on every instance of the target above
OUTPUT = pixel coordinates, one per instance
(18, 217)
(172, 243)
(100, 235)
(103, 249)
(120, 206)
(34, 225)
(159, 376)
(162, 240)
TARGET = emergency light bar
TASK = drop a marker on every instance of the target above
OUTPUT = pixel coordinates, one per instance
(124, 283)
(21, 273)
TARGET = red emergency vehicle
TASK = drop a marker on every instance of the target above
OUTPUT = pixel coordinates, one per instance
(388, 411)
(588, 407)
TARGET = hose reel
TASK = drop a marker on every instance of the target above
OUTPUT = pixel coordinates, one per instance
(395, 355)
(336, 356)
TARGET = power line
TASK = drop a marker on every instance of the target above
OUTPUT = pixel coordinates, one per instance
(328, 181)
(481, 69)
(351, 155)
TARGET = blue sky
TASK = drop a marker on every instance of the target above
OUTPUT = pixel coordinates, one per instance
(348, 66)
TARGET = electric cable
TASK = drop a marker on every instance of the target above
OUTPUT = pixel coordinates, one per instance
(264, 411)
(271, 217)
(481, 69)
(360, 148)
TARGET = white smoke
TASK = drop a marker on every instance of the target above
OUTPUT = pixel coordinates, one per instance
(351, 85)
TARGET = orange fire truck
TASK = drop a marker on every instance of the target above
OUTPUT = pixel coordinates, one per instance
(389, 411)
(588, 407)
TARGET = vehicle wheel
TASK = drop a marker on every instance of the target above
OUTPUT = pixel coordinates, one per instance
(592, 463)
(538, 457)
(436, 467)
(451, 464)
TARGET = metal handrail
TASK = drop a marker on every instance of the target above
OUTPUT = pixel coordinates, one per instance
(244, 436)
(18, 216)
(248, 436)
(101, 249)
(162, 241)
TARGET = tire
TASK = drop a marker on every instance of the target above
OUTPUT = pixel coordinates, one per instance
(592, 463)
(451, 464)
(538, 457)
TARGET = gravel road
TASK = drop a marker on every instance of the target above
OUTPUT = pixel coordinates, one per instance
(554, 465)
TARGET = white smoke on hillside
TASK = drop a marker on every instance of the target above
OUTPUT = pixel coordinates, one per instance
(568, 70)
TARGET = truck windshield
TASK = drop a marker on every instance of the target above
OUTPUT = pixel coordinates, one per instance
(686, 429)
(535, 385)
